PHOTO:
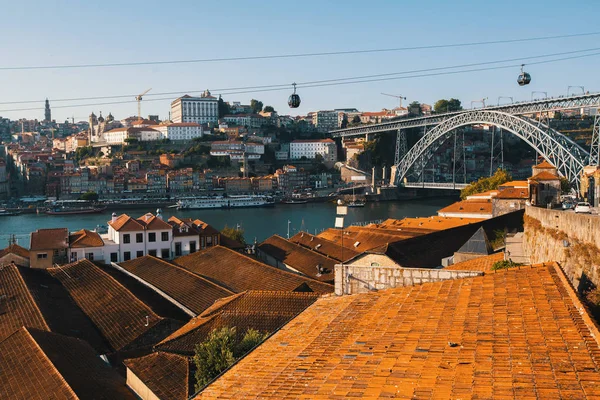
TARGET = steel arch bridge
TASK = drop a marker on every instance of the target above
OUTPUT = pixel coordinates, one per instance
(568, 157)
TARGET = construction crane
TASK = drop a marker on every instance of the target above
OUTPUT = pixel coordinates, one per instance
(139, 100)
(396, 96)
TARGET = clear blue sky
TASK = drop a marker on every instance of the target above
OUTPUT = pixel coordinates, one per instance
(45, 32)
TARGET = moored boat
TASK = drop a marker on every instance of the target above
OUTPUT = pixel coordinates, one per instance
(199, 203)
(8, 213)
(74, 210)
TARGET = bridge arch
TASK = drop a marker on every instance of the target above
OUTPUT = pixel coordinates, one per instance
(568, 157)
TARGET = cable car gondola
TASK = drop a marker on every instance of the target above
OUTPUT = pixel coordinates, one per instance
(294, 100)
(524, 78)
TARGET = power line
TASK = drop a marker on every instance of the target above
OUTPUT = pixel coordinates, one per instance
(245, 89)
(336, 82)
(296, 55)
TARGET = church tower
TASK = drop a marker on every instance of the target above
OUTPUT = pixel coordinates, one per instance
(47, 114)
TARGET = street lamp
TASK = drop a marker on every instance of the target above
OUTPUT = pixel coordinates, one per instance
(580, 87)
(505, 97)
(536, 91)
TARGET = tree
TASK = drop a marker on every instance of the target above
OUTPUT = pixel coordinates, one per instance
(444, 105)
(220, 350)
(344, 123)
(454, 105)
(269, 109)
(485, 184)
(565, 185)
(256, 106)
(89, 196)
(234, 233)
(223, 108)
(414, 108)
(356, 119)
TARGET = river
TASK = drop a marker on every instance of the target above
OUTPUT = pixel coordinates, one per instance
(258, 223)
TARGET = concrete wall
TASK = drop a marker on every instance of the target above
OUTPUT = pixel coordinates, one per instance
(354, 279)
(573, 240)
(139, 387)
(18, 260)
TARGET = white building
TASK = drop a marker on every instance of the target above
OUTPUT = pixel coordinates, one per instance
(180, 130)
(143, 134)
(248, 120)
(326, 148)
(201, 110)
(147, 235)
(89, 244)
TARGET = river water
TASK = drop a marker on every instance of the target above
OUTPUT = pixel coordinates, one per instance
(258, 223)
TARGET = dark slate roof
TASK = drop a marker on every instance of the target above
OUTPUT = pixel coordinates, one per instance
(477, 244)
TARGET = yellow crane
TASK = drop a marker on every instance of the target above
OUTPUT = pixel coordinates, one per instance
(399, 97)
(139, 100)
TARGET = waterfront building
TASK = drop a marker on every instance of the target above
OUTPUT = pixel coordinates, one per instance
(290, 178)
(312, 148)
(181, 180)
(201, 110)
(48, 247)
(544, 185)
(156, 181)
(4, 183)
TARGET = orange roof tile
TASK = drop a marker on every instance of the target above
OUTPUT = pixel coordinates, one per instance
(545, 165)
(515, 184)
(303, 260)
(264, 311)
(44, 365)
(166, 375)
(152, 222)
(513, 193)
(483, 264)
(427, 224)
(117, 313)
(239, 272)
(124, 223)
(191, 290)
(49, 239)
(85, 238)
(323, 246)
(469, 207)
(17, 306)
(461, 338)
(16, 250)
(545, 176)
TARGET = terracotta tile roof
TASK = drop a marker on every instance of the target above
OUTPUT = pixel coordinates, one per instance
(183, 227)
(166, 375)
(323, 246)
(544, 176)
(205, 228)
(264, 311)
(44, 365)
(515, 184)
(191, 290)
(152, 222)
(299, 258)
(469, 207)
(117, 313)
(428, 224)
(239, 272)
(85, 238)
(124, 223)
(483, 264)
(16, 250)
(363, 239)
(231, 243)
(49, 239)
(465, 338)
(513, 193)
(17, 306)
(545, 165)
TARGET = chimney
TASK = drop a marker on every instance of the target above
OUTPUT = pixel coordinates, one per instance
(383, 174)
(158, 213)
(114, 217)
(373, 179)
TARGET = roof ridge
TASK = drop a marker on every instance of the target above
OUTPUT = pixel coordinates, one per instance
(28, 293)
(172, 338)
(45, 356)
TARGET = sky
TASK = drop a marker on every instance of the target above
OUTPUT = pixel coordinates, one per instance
(57, 32)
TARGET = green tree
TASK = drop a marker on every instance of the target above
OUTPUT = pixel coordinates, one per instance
(223, 108)
(356, 119)
(440, 106)
(565, 185)
(256, 106)
(234, 233)
(485, 184)
(89, 196)
(454, 105)
(414, 108)
(220, 350)
(269, 109)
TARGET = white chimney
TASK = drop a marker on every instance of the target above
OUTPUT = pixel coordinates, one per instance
(158, 213)
(114, 217)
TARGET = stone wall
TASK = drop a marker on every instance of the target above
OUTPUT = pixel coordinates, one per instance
(573, 240)
(353, 279)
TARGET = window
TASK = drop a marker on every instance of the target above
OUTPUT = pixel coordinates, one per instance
(139, 237)
(165, 253)
(152, 253)
(177, 249)
(164, 236)
(202, 245)
(152, 237)
(126, 238)
(41, 256)
(73, 257)
(192, 247)
(127, 256)
(90, 256)
(114, 257)
(208, 241)
(374, 264)
(140, 253)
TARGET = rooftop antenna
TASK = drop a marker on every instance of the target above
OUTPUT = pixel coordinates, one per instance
(147, 321)
(399, 97)
(139, 100)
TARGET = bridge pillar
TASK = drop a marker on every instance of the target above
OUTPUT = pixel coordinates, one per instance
(595, 148)
(394, 169)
